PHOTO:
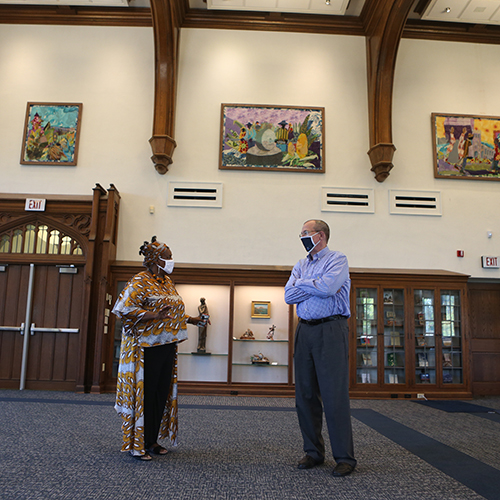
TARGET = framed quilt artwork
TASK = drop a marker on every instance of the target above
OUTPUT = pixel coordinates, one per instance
(466, 147)
(279, 138)
(51, 134)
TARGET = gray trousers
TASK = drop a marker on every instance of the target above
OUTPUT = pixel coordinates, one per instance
(322, 382)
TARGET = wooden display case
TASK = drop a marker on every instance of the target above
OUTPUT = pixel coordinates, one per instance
(409, 335)
(408, 332)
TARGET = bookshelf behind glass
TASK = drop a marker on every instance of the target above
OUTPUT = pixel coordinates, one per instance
(394, 336)
(425, 336)
(451, 331)
(366, 336)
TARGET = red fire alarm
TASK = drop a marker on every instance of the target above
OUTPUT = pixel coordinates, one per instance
(460, 253)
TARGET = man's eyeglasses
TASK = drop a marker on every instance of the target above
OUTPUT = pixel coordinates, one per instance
(307, 233)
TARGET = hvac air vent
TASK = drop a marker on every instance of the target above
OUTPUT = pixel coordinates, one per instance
(415, 202)
(347, 200)
(195, 194)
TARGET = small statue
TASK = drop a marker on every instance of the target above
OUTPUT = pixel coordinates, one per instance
(259, 359)
(270, 333)
(248, 335)
(202, 325)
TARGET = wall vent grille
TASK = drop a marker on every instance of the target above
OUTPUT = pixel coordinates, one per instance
(195, 194)
(403, 202)
(347, 200)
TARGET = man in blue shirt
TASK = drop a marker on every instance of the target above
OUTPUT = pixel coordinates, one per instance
(319, 286)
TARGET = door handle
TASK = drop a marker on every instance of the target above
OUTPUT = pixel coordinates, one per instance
(34, 329)
(13, 328)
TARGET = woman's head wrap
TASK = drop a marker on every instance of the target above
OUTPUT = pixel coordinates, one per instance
(151, 251)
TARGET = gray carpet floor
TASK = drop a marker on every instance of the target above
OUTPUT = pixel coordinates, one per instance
(66, 446)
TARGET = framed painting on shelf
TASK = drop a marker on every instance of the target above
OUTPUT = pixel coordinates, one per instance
(466, 147)
(278, 138)
(51, 134)
(261, 309)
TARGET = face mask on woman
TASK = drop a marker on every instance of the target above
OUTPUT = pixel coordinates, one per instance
(168, 267)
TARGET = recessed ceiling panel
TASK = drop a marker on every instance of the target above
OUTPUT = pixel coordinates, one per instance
(464, 11)
(336, 7)
(480, 10)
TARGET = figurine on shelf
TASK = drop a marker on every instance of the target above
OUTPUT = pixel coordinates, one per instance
(259, 359)
(248, 335)
(203, 325)
(270, 333)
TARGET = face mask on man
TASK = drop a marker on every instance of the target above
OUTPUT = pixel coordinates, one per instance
(168, 267)
(308, 242)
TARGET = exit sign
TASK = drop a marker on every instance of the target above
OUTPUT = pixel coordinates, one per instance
(34, 205)
(491, 262)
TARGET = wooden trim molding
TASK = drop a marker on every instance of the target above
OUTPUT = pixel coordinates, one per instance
(66, 15)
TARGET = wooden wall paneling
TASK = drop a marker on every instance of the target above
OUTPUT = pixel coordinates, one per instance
(484, 319)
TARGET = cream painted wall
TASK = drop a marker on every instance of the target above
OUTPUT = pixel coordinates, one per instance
(110, 70)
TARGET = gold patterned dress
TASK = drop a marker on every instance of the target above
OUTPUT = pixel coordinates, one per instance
(144, 293)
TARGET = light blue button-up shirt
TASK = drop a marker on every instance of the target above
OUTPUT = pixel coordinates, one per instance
(320, 285)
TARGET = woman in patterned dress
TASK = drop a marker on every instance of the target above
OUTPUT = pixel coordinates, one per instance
(154, 322)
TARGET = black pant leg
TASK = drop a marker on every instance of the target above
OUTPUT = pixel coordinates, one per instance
(307, 395)
(158, 366)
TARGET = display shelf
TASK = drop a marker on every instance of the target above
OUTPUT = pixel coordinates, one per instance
(259, 340)
(271, 364)
(206, 354)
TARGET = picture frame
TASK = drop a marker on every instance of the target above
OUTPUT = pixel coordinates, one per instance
(466, 146)
(51, 134)
(276, 138)
(261, 309)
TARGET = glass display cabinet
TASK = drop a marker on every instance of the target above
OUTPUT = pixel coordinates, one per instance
(408, 335)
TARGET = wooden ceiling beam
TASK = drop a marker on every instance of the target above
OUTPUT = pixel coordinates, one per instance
(385, 21)
(167, 18)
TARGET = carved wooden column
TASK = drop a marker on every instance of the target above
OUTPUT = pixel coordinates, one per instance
(167, 18)
(386, 20)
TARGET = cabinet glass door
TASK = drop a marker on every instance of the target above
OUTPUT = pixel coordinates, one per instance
(366, 335)
(451, 330)
(425, 337)
(394, 336)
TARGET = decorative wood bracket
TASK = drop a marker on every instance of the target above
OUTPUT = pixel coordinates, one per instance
(386, 21)
(167, 19)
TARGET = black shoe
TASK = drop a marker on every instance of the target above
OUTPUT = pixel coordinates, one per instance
(342, 469)
(308, 462)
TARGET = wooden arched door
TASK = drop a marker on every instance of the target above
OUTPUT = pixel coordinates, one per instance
(51, 271)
